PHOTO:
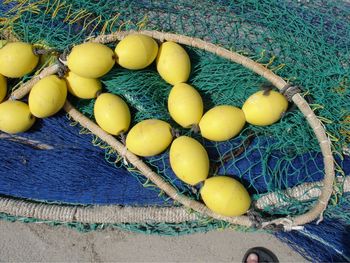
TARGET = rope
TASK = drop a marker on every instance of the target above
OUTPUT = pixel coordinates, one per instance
(112, 214)
(248, 63)
(42, 51)
(289, 91)
(62, 65)
(303, 192)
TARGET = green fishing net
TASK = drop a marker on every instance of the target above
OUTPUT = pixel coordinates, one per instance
(305, 42)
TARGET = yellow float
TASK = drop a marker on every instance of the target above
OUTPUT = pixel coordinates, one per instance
(173, 63)
(136, 51)
(84, 88)
(15, 117)
(225, 196)
(112, 114)
(149, 137)
(47, 96)
(189, 160)
(17, 59)
(222, 123)
(264, 108)
(91, 60)
(185, 105)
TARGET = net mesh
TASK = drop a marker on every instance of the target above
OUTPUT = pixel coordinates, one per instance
(307, 43)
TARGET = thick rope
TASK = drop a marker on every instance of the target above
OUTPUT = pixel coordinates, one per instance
(303, 192)
(114, 214)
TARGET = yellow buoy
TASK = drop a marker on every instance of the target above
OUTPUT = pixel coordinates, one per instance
(91, 60)
(185, 105)
(17, 59)
(189, 160)
(84, 88)
(173, 63)
(3, 87)
(225, 196)
(222, 123)
(264, 109)
(15, 117)
(136, 51)
(47, 96)
(149, 137)
(112, 114)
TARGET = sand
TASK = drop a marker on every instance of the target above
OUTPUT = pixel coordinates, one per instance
(38, 242)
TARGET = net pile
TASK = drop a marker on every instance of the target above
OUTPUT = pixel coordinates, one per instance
(306, 43)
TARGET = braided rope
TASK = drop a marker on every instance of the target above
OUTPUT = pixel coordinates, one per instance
(114, 214)
(107, 214)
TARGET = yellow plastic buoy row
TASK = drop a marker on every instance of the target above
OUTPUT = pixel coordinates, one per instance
(93, 60)
(221, 123)
(188, 158)
(224, 122)
(190, 162)
(16, 60)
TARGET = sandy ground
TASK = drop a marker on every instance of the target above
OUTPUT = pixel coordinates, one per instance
(21, 242)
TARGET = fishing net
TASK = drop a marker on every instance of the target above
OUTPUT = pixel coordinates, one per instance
(304, 42)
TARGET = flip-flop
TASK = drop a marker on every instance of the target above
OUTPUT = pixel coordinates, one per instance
(264, 255)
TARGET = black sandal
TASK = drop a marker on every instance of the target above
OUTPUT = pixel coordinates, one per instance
(264, 255)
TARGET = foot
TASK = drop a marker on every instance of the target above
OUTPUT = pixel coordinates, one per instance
(259, 255)
(252, 258)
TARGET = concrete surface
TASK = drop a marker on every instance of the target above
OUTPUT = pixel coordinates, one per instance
(21, 242)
